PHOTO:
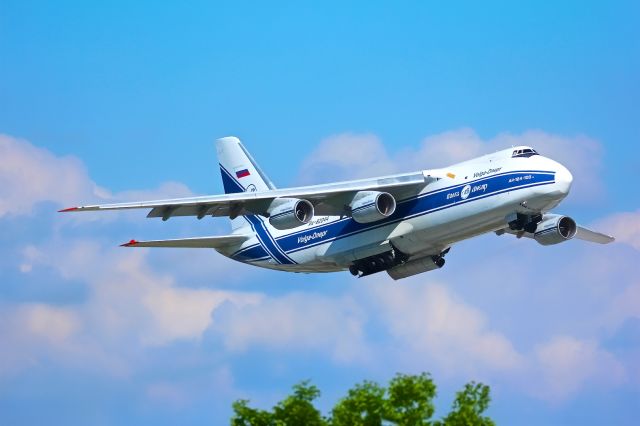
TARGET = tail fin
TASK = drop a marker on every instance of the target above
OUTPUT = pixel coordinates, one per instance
(239, 172)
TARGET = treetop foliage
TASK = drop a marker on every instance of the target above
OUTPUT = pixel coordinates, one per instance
(406, 401)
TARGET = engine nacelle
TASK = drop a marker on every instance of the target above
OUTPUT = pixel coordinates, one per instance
(371, 206)
(555, 229)
(287, 213)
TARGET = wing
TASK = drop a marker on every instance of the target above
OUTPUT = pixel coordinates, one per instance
(198, 242)
(327, 199)
(585, 234)
(550, 219)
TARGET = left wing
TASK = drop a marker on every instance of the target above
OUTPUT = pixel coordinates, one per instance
(328, 199)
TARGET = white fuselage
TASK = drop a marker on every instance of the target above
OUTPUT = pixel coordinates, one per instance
(476, 198)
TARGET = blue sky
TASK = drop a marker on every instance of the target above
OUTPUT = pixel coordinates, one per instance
(122, 101)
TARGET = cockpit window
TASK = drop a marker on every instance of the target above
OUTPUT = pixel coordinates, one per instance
(524, 152)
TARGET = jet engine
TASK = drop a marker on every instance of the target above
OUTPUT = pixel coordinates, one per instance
(287, 213)
(371, 206)
(555, 229)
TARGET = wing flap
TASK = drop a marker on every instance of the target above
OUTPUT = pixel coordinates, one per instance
(197, 242)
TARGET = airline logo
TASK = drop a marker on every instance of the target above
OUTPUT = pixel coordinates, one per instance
(465, 192)
(242, 173)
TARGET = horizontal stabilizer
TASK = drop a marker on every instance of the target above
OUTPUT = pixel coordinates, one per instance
(593, 236)
(197, 242)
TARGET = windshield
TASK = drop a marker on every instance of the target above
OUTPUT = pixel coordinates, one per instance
(524, 152)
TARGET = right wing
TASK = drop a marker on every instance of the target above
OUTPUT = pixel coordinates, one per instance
(585, 234)
(328, 199)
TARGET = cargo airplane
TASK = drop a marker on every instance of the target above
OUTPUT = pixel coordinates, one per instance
(403, 224)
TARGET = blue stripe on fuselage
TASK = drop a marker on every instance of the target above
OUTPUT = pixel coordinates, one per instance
(251, 253)
(418, 206)
(257, 224)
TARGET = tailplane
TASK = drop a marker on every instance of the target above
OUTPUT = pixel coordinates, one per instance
(220, 242)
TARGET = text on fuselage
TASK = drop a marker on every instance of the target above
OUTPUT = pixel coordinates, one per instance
(467, 190)
(486, 172)
(306, 238)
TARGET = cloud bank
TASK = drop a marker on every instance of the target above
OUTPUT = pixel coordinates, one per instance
(134, 311)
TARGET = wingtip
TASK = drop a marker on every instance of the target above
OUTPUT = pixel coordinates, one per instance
(129, 244)
(70, 209)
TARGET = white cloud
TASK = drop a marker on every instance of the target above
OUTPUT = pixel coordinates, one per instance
(54, 324)
(350, 156)
(624, 305)
(566, 364)
(624, 226)
(344, 156)
(32, 331)
(447, 148)
(127, 295)
(295, 322)
(434, 327)
(30, 175)
(129, 307)
(180, 313)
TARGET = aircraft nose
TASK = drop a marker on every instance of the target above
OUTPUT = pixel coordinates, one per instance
(564, 178)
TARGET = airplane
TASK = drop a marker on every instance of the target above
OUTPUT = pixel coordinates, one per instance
(403, 224)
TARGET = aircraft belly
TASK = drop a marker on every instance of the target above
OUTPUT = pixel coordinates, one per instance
(435, 231)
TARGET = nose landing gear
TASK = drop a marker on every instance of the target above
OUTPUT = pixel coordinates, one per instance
(525, 222)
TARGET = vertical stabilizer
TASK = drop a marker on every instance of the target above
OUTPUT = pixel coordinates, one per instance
(240, 172)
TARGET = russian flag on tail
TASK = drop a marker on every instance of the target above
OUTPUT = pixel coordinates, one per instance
(242, 173)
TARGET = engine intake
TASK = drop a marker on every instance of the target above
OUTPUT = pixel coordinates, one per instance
(371, 206)
(287, 213)
(555, 229)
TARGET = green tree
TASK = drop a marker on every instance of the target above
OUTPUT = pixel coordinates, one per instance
(468, 407)
(247, 416)
(296, 409)
(364, 405)
(407, 401)
(410, 400)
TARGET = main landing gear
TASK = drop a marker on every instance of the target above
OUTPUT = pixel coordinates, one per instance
(379, 262)
(382, 262)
